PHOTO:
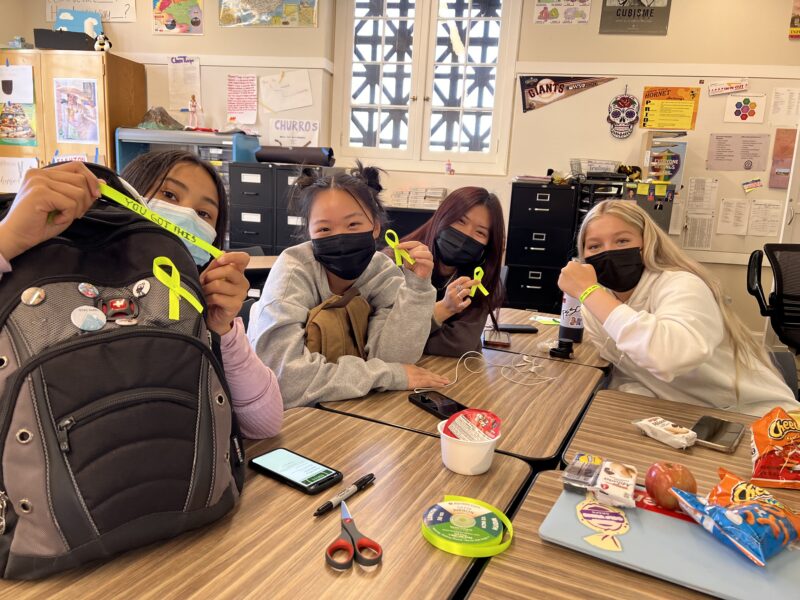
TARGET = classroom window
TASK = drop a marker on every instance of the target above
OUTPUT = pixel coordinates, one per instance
(421, 81)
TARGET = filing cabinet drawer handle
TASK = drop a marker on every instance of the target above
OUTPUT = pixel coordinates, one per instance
(250, 193)
(535, 249)
(533, 287)
(534, 274)
(543, 197)
(539, 237)
(541, 209)
(246, 232)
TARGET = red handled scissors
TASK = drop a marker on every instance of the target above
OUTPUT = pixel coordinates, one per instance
(354, 543)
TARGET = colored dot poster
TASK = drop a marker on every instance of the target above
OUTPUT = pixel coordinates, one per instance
(745, 108)
(178, 16)
(669, 107)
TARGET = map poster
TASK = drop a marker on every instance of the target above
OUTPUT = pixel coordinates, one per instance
(178, 17)
(268, 13)
(669, 107)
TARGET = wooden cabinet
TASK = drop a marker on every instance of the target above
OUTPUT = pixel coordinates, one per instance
(80, 98)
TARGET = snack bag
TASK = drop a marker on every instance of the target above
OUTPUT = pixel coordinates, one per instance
(582, 472)
(743, 516)
(615, 484)
(776, 450)
(473, 425)
(667, 432)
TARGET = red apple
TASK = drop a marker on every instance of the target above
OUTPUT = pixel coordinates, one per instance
(662, 476)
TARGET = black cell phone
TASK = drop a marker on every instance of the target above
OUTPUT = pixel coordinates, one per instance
(513, 328)
(437, 404)
(718, 434)
(295, 470)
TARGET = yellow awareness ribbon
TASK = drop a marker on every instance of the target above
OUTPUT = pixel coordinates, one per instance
(481, 550)
(140, 209)
(399, 254)
(478, 276)
(173, 281)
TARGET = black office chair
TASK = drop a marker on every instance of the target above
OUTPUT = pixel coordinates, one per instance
(783, 308)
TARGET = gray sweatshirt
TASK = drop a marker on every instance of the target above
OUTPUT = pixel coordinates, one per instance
(398, 328)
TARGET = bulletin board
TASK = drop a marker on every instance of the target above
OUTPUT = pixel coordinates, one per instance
(213, 99)
(576, 127)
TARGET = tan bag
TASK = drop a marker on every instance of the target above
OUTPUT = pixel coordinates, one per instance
(338, 326)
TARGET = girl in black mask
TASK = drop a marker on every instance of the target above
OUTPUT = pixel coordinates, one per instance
(662, 319)
(343, 217)
(465, 232)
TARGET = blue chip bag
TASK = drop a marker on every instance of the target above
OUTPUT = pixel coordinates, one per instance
(759, 530)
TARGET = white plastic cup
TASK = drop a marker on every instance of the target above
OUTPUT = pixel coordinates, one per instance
(465, 457)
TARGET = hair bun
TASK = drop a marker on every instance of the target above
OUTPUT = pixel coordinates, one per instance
(306, 178)
(369, 175)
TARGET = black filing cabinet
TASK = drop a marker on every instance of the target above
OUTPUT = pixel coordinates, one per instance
(541, 236)
(260, 206)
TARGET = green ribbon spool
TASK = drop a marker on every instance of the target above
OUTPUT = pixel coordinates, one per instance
(490, 546)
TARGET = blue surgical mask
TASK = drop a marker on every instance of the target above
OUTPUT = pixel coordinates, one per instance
(187, 219)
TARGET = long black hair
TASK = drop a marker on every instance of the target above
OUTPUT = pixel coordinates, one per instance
(362, 183)
(147, 172)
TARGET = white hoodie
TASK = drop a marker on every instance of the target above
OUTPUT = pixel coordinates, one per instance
(668, 341)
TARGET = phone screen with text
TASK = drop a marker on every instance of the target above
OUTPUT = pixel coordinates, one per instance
(293, 466)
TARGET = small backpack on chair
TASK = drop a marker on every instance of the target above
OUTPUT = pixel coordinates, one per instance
(117, 432)
(338, 326)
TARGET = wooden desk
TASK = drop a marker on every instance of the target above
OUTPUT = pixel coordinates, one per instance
(606, 430)
(272, 546)
(532, 568)
(584, 353)
(262, 262)
(536, 419)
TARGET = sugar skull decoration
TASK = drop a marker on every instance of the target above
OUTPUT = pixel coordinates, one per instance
(623, 113)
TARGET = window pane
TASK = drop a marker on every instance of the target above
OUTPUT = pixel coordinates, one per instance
(367, 43)
(397, 42)
(363, 127)
(369, 8)
(480, 84)
(395, 84)
(451, 40)
(399, 8)
(464, 75)
(444, 129)
(381, 83)
(448, 83)
(476, 132)
(394, 128)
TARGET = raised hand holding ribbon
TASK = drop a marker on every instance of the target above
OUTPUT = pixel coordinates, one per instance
(399, 254)
(478, 277)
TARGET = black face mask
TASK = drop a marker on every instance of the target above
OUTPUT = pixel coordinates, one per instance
(456, 249)
(618, 270)
(346, 255)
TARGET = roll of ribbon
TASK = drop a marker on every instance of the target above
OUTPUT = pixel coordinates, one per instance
(467, 527)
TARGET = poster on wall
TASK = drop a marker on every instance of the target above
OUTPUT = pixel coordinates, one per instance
(782, 152)
(76, 111)
(635, 17)
(16, 84)
(112, 11)
(242, 99)
(794, 21)
(745, 108)
(18, 125)
(562, 12)
(539, 91)
(737, 152)
(183, 77)
(268, 13)
(12, 170)
(178, 17)
(670, 107)
(293, 132)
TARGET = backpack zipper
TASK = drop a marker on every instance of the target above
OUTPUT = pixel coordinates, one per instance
(98, 407)
(3, 508)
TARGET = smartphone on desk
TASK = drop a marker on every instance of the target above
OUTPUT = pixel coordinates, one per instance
(493, 338)
(437, 404)
(718, 434)
(295, 470)
(514, 328)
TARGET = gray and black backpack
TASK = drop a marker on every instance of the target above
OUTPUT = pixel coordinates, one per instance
(116, 428)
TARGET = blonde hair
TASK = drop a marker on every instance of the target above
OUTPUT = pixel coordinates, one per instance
(659, 253)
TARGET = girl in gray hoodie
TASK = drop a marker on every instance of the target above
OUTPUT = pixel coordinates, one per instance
(343, 217)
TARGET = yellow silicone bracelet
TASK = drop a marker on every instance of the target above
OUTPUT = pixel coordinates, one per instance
(587, 292)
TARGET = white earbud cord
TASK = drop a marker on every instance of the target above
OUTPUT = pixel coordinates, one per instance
(519, 371)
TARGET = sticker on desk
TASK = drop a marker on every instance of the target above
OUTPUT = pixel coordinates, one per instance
(608, 522)
(251, 177)
(251, 217)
